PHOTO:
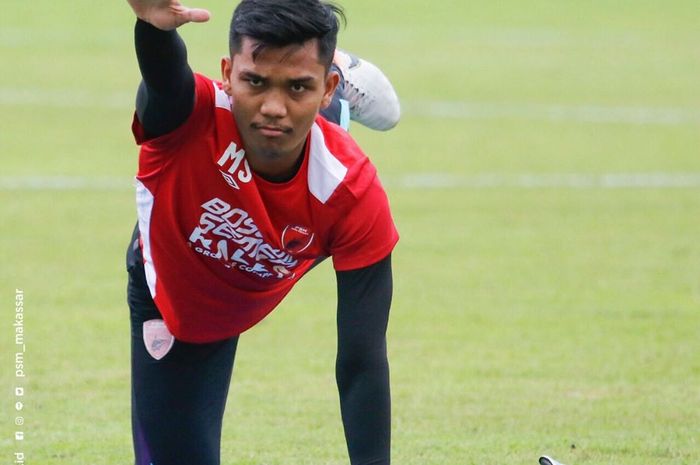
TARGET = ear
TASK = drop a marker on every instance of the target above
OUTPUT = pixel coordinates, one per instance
(332, 81)
(226, 68)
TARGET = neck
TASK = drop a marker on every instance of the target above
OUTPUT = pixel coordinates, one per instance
(276, 169)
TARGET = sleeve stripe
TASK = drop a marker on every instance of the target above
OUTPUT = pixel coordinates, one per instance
(326, 172)
(144, 206)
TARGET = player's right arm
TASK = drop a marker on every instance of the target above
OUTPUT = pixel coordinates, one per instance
(166, 94)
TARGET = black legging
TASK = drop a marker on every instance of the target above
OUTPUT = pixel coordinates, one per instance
(177, 402)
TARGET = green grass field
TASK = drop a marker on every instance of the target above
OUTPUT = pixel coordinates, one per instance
(539, 306)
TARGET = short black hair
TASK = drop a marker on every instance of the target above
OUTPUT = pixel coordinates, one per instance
(278, 23)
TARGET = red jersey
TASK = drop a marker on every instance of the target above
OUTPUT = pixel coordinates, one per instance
(222, 246)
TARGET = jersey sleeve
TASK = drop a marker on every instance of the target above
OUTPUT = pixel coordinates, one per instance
(201, 112)
(366, 233)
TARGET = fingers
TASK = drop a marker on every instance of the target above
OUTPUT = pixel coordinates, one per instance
(196, 15)
(171, 16)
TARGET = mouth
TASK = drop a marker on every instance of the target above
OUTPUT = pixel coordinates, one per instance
(271, 130)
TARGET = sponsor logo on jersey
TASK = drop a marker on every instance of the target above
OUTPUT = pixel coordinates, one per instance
(236, 168)
(296, 239)
(230, 235)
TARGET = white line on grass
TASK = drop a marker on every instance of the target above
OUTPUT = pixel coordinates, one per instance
(65, 98)
(539, 181)
(65, 183)
(598, 114)
(420, 181)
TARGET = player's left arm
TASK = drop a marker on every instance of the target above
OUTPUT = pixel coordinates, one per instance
(362, 368)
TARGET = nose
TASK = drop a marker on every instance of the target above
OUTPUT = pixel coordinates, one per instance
(274, 105)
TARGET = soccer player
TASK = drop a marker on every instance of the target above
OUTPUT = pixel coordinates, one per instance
(242, 187)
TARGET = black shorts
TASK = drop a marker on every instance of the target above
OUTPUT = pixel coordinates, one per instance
(177, 402)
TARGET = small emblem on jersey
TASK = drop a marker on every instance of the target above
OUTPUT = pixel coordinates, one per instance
(296, 239)
(157, 338)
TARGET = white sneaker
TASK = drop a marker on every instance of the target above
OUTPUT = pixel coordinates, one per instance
(371, 97)
(545, 460)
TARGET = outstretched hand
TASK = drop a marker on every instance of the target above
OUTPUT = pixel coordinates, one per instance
(167, 14)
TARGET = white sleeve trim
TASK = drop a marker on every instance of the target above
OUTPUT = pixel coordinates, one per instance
(144, 207)
(326, 172)
(222, 98)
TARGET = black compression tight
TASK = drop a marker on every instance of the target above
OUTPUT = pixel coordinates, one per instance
(177, 402)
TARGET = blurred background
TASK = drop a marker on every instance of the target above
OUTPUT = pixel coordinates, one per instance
(545, 179)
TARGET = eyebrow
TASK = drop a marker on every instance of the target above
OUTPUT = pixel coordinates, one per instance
(302, 80)
(250, 75)
(299, 80)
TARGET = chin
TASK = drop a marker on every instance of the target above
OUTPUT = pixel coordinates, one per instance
(271, 153)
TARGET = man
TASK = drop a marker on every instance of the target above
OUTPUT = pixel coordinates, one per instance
(241, 189)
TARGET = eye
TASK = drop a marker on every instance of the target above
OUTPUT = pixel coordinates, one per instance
(298, 88)
(255, 82)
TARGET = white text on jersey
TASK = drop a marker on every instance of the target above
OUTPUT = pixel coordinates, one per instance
(237, 166)
(239, 243)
